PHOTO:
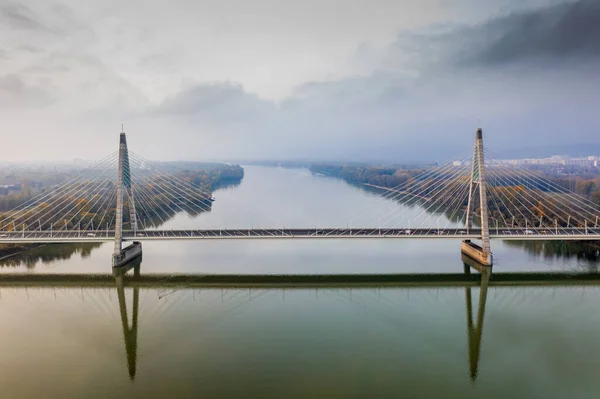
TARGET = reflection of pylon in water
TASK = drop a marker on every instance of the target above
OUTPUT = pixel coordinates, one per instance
(129, 333)
(475, 329)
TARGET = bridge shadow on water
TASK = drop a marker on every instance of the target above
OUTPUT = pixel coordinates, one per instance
(473, 277)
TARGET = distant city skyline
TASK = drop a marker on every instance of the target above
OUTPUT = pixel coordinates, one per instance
(555, 160)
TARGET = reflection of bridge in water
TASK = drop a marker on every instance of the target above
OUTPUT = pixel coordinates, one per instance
(123, 280)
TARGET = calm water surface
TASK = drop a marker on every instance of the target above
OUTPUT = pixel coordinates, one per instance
(116, 342)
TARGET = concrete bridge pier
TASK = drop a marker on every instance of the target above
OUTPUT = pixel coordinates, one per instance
(483, 253)
(477, 253)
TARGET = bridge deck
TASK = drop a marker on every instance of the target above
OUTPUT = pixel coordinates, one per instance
(291, 233)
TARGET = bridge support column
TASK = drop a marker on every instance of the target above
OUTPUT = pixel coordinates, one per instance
(124, 255)
(483, 253)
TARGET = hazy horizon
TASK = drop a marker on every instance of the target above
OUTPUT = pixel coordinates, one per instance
(525, 153)
(367, 80)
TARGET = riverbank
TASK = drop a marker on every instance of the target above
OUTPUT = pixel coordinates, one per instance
(397, 191)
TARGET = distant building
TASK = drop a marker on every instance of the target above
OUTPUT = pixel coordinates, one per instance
(11, 187)
(555, 160)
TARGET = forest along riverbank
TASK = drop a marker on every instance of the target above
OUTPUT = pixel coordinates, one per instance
(395, 191)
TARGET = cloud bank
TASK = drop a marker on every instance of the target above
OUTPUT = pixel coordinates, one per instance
(527, 75)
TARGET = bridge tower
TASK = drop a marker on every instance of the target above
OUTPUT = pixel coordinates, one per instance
(124, 255)
(481, 254)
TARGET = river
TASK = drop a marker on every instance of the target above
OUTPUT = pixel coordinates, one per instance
(389, 342)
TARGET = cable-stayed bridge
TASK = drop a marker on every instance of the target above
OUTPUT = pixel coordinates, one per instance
(125, 197)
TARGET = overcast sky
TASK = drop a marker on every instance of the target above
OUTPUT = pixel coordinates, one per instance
(324, 79)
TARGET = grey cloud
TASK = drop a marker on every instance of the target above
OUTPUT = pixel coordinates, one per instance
(223, 102)
(558, 32)
(159, 63)
(394, 117)
(47, 69)
(551, 34)
(413, 100)
(20, 17)
(63, 11)
(30, 49)
(11, 84)
(15, 93)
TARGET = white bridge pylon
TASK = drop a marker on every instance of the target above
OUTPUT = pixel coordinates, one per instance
(478, 184)
(123, 255)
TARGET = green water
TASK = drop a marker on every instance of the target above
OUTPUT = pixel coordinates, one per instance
(388, 342)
